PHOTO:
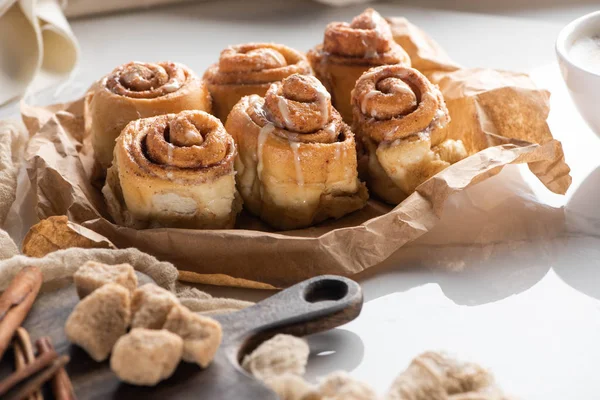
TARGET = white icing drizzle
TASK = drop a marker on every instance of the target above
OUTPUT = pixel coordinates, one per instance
(330, 128)
(172, 86)
(258, 109)
(299, 177)
(263, 135)
(365, 99)
(390, 134)
(375, 20)
(371, 51)
(439, 119)
(170, 154)
(422, 135)
(369, 75)
(293, 136)
(323, 97)
(191, 135)
(337, 152)
(169, 160)
(284, 110)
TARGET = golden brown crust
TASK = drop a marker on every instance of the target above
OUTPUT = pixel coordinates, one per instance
(400, 119)
(393, 102)
(248, 69)
(366, 40)
(348, 50)
(297, 163)
(183, 163)
(139, 90)
(185, 159)
(146, 80)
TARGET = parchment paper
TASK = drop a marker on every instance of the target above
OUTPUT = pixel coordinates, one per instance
(500, 115)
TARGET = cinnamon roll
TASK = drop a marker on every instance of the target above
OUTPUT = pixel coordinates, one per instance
(400, 119)
(139, 90)
(174, 170)
(348, 50)
(248, 69)
(297, 161)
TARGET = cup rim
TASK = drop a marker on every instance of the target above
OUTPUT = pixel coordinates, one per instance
(565, 34)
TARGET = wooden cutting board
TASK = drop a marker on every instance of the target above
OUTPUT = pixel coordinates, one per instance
(312, 306)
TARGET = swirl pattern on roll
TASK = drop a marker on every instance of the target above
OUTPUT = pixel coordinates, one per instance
(300, 110)
(139, 90)
(297, 158)
(348, 50)
(257, 63)
(393, 102)
(146, 80)
(368, 36)
(400, 118)
(180, 146)
(249, 69)
(174, 170)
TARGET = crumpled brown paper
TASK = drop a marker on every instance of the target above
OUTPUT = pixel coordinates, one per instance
(489, 108)
(58, 233)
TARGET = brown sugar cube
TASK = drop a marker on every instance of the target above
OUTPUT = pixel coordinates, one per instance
(146, 356)
(201, 335)
(150, 306)
(292, 387)
(277, 356)
(91, 275)
(99, 320)
(340, 385)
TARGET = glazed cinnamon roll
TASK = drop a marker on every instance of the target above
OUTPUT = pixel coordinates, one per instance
(248, 69)
(297, 159)
(174, 170)
(400, 118)
(139, 90)
(348, 50)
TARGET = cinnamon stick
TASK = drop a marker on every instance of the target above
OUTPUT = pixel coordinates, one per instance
(15, 303)
(18, 376)
(24, 355)
(62, 388)
(37, 381)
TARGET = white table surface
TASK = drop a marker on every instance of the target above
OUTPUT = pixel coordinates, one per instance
(510, 278)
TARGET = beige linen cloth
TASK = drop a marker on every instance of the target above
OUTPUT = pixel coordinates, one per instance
(37, 47)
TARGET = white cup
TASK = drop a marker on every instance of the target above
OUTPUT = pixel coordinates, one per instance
(583, 85)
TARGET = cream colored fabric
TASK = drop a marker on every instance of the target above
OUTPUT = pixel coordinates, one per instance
(13, 138)
(8, 248)
(12, 143)
(59, 266)
(37, 46)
